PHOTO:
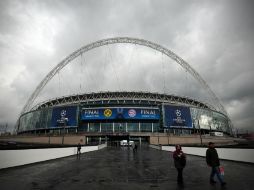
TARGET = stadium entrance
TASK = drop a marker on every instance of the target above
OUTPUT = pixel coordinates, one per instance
(125, 139)
(115, 139)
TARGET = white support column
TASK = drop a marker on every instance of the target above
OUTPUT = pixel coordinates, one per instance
(113, 127)
(100, 127)
(88, 125)
(126, 129)
(152, 127)
(139, 126)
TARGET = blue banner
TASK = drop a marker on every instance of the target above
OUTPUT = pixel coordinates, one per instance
(177, 116)
(64, 116)
(120, 113)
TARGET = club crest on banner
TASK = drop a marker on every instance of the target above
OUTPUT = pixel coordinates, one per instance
(132, 113)
(107, 112)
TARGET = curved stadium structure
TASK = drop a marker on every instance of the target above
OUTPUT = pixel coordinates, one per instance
(123, 112)
(118, 114)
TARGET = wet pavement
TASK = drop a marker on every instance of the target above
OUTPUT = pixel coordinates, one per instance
(119, 168)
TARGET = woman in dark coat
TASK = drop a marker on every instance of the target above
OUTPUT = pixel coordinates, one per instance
(180, 162)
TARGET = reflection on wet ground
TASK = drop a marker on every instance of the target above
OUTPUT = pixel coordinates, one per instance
(121, 168)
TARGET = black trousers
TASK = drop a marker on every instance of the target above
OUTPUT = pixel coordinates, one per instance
(180, 175)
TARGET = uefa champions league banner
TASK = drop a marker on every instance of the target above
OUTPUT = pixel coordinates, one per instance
(120, 113)
(64, 116)
(177, 116)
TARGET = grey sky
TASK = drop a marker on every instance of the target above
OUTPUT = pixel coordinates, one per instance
(214, 37)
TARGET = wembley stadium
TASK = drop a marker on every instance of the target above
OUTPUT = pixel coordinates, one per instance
(117, 115)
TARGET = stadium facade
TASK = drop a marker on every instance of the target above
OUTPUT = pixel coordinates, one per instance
(123, 113)
(119, 114)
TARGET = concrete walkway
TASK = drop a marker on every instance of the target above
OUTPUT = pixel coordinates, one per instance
(119, 168)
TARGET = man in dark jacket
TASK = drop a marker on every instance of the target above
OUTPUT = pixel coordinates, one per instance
(212, 160)
(180, 162)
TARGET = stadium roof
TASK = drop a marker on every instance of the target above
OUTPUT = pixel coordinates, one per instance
(121, 98)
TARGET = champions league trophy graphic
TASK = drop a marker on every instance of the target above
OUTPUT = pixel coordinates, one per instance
(179, 119)
(63, 118)
(63, 121)
(119, 113)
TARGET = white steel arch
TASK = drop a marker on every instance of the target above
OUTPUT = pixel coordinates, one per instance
(103, 42)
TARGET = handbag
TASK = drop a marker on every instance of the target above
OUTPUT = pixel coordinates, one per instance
(221, 169)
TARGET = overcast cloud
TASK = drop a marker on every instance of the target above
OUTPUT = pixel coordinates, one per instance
(214, 37)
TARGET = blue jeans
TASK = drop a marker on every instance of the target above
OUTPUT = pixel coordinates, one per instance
(215, 170)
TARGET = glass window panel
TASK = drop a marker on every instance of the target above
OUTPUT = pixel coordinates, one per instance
(120, 127)
(132, 127)
(83, 127)
(106, 127)
(146, 127)
(156, 127)
(94, 127)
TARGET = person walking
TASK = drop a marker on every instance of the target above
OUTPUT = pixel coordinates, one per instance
(212, 160)
(134, 147)
(78, 150)
(180, 162)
